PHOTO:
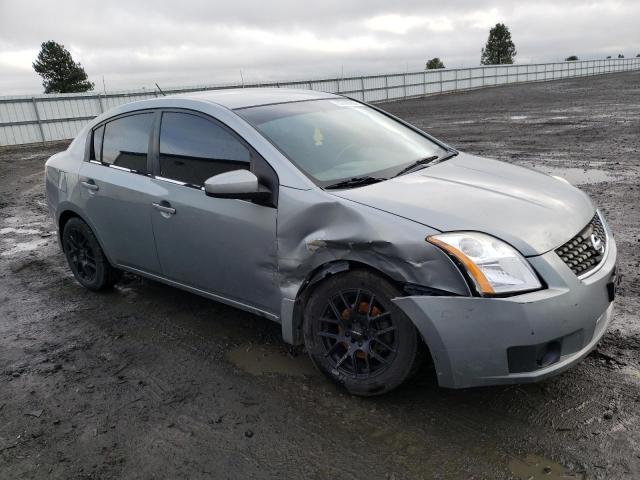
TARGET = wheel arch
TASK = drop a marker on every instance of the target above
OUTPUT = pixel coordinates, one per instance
(66, 213)
(293, 310)
(64, 217)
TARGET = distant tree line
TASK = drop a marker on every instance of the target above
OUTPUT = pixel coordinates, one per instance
(61, 74)
(499, 50)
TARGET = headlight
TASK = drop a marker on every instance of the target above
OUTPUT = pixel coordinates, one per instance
(494, 266)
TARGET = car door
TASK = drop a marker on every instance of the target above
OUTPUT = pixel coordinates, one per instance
(226, 247)
(117, 191)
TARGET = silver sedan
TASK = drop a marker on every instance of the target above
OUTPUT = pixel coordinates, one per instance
(369, 241)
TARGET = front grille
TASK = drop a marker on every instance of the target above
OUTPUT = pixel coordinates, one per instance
(586, 250)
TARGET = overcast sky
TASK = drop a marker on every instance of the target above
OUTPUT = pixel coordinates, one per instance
(135, 43)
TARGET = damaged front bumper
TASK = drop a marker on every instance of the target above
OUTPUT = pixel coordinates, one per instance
(477, 341)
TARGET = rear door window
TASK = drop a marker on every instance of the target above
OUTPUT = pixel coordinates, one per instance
(126, 142)
(193, 148)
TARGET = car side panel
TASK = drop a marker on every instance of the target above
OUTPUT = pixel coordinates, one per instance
(120, 211)
(223, 246)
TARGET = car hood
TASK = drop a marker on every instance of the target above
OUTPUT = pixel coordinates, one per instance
(532, 211)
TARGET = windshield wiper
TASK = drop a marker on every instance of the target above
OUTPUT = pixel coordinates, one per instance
(449, 155)
(423, 162)
(414, 166)
(355, 182)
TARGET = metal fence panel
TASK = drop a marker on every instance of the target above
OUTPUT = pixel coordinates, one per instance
(41, 118)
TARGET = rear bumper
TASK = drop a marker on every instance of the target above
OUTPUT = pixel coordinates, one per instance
(489, 341)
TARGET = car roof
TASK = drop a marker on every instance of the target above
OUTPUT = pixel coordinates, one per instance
(234, 98)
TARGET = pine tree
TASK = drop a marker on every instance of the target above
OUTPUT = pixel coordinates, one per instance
(499, 48)
(434, 64)
(60, 74)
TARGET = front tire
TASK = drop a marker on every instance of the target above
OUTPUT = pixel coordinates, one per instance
(357, 336)
(85, 257)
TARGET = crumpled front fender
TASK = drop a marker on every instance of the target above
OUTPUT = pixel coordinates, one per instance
(316, 228)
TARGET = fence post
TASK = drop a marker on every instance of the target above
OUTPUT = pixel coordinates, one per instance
(424, 83)
(404, 85)
(386, 86)
(100, 103)
(362, 87)
(35, 108)
(456, 79)
(441, 88)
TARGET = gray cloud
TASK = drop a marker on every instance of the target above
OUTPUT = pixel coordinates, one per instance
(137, 43)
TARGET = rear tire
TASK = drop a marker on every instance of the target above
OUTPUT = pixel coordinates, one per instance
(358, 337)
(85, 257)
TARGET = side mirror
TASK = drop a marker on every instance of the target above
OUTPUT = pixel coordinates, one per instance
(241, 184)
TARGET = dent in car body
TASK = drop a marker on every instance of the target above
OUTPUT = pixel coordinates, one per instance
(316, 229)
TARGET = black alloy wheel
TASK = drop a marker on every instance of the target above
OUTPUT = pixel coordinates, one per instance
(357, 336)
(85, 257)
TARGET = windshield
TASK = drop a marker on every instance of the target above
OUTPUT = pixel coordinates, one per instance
(338, 139)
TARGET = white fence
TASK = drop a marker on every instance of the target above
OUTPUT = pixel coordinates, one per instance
(43, 118)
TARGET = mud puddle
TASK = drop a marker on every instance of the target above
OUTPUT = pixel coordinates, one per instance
(260, 360)
(19, 239)
(534, 467)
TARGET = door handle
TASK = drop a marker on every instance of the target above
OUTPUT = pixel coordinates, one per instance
(89, 185)
(164, 208)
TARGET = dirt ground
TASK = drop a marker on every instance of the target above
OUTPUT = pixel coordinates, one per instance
(147, 381)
